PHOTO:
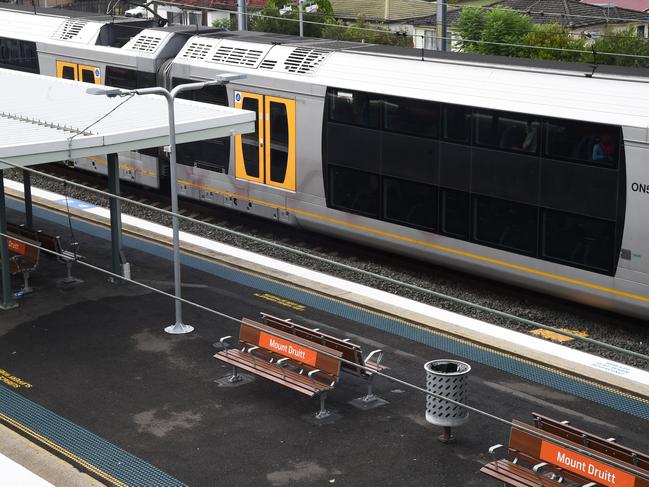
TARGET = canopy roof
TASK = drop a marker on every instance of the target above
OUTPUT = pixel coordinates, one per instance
(46, 119)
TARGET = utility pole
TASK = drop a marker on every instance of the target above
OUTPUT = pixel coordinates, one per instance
(242, 18)
(441, 25)
(300, 12)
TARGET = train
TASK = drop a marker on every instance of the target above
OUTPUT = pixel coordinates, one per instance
(528, 172)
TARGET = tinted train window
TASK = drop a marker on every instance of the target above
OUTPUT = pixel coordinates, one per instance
(457, 123)
(68, 72)
(596, 144)
(354, 107)
(412, 117)
(455, 213)
(19, 55)
(409, 157)
(504, 224)
(129, 79)
(411, 204)
(278, 139)
(250, 141)
(216, 95)
(87, 76)
(354, 191)
(507, 131)
(213, 154)
(578, 240)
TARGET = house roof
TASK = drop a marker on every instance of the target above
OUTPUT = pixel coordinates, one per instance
(569, 13)
(382, 10)
(639, 5)
(215, 4)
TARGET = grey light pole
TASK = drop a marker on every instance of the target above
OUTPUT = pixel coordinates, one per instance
(179, 326)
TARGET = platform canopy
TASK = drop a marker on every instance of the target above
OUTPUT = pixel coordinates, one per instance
(46, 119)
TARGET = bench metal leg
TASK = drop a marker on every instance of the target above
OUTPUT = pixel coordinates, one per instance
(370, 397)
(26, 287)
(323, 413)
(236, 377)
(69, 279)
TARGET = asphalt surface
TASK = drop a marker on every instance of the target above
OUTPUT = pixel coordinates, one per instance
(97, 355)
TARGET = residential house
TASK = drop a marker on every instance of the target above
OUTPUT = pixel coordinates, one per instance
(205, 12)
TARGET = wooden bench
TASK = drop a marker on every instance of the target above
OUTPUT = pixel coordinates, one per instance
(548, 461)
(283, 358)
(53, 244)
(363, 367)
(23, 258)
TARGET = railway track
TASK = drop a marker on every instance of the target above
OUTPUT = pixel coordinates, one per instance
(621, 331)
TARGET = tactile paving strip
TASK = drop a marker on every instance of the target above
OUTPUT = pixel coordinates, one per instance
(100, 457)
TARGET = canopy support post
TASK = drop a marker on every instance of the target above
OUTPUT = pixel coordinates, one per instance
(7, 294)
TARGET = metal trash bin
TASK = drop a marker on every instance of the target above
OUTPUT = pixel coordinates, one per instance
(447, 378)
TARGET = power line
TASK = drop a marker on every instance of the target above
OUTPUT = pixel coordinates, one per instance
(526, 428)
(374, 275)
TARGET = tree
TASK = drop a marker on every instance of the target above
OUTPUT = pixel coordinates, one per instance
(362, 31)
(561, 43)
(624, 41)
(499, 31)
(270, 20)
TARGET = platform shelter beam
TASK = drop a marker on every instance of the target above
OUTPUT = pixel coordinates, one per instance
(7, 294)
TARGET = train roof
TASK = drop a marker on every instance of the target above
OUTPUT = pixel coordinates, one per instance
(553, 89)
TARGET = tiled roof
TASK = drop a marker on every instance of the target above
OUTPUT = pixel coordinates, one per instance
(569, 13)
(376, 9)
(216, 4)
(639, 5)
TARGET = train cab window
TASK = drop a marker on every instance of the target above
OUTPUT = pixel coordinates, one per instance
(354, 107)
(454, 213)
(578, 240)
(505, 224)
(409, 203)
(412, 117)
(457, 123)
(596, 144)
(506, 131)
(354, 191)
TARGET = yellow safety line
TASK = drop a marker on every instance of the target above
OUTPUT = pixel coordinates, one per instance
(104, 162)
(424, 244)
(62, 451)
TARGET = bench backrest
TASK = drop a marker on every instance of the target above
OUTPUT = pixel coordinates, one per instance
(571, 464)
(597, 443)
(298, 350)
(48, 242)
(350, 351)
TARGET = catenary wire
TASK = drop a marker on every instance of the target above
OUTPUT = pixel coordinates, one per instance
(388, 377)
(301, 253)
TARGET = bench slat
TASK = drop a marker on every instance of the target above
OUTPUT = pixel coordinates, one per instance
(516, 475)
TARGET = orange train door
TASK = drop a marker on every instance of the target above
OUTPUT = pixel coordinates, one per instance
(78, 72)
(267, 155)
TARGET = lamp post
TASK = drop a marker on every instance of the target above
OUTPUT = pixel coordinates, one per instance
(179, 327)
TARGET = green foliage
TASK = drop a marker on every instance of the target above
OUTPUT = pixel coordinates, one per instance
(624, 41)
(362, 31)
(493, 29)
(270, 19)
(470, 24)
(559, 40)
(227, 24)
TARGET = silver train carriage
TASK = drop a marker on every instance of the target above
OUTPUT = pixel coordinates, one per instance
(529, 173)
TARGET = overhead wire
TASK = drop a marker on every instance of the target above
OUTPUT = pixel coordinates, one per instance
(348, 267)
(410, 385)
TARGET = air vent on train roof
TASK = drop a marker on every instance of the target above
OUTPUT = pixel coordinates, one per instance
(238, 56)
(268, 64)
(197, 50)
(304, 60)
(145, 43)
(69, 28)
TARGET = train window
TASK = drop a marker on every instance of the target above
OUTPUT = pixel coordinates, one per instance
(505, 175)
(87, 75)
(278, 140)
(579, 188)
(146, 80)
(507, 131)
(121, 78)
(454, 166)
(354, 191)
(409, 203)
(593, 143)
(354, 107)
(454, 214)
(212, 154)
(412, 117)
(409, 157)
(18, 55)
(354, 147)
(68, 72)
(216, 95)
(250, 141)
(457, 123)
(504, 224)
(578, 240)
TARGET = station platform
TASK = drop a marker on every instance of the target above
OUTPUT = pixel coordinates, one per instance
(89, 373)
